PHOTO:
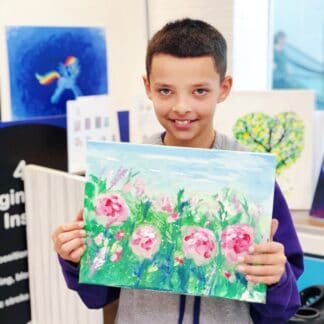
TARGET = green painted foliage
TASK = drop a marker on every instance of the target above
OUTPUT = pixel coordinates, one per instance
(282, 135)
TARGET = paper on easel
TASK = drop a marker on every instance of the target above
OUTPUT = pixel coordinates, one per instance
(88, 118)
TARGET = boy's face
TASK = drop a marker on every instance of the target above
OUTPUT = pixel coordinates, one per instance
(185, 92)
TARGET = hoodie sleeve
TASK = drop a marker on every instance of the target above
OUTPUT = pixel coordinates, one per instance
(282, 298)
(93, 296)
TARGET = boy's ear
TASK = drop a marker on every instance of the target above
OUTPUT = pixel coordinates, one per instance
(147, 86)
(225, 88)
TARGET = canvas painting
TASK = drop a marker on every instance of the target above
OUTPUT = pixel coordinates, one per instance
(317, 209)
(278, 122)
(50, 65)
(175, 219)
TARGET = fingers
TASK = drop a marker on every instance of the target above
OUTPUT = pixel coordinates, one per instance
(70, 250)
(265, 264)
(268, 280)
(79, 216)
(68, 239)
(274, 227)
(266, 253)
(77, 254)
(65, 237)
(75, 225)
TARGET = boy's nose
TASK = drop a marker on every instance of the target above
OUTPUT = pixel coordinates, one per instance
(181, 107)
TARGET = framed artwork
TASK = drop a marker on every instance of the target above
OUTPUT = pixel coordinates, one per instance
(175, 219)
(49, 65)
(278, 122)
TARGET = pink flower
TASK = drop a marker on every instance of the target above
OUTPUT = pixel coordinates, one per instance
(145, 241)
(139, 187)
(111, 209)
(236, 240)
(99, 238)
(179, 260)
(199, 244)
(229, 276)
(117, 255)
(163, 204)
(237, 204)
(120, 235)
(173, 217)
(127, 187)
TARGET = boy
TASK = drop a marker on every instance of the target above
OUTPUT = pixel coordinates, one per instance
(186, 65)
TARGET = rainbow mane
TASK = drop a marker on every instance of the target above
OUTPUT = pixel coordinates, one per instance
(48, 78)
(69, 60)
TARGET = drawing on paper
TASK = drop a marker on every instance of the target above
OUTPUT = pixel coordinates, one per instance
(175, 219)
(282, 135)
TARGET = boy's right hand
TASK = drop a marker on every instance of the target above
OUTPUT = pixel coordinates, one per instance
(69, 238)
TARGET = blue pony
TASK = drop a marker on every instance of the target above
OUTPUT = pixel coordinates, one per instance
(66, 78)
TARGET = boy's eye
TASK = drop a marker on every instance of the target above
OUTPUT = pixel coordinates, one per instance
(165, 91)
(200, 91)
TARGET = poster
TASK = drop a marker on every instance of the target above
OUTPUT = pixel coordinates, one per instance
(177, 226)
(43, 142)
(50, 65)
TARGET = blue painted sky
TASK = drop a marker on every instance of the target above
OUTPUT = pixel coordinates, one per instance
(200, 171)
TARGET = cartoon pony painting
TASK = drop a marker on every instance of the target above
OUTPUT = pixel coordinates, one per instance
(66, 77)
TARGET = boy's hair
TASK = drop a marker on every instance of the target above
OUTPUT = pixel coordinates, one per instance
(189, 38)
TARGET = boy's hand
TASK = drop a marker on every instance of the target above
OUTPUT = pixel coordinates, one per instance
(266, 263)
(68, 239)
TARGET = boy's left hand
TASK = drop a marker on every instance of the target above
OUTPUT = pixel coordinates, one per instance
(266, 261)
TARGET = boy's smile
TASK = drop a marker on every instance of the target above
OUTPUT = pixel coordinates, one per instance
(185, 92)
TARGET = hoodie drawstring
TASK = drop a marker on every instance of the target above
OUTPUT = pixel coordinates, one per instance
(196, 310)
(182, 308)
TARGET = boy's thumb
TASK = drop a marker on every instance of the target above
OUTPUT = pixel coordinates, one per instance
(274, 227)
(79, 216)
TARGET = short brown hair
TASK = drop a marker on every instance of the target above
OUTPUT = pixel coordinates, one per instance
(189, 38)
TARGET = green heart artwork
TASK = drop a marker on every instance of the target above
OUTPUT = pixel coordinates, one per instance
(282, 135)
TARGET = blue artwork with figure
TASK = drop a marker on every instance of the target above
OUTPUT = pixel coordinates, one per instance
(298, 51)
(50, 65)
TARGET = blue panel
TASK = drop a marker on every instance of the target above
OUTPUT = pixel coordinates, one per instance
(313, 274)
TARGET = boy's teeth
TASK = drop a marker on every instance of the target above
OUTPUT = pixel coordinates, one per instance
(182, 122)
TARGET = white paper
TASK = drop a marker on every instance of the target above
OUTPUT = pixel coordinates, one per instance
(88, 118)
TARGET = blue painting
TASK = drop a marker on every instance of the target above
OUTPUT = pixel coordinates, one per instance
(50, 65)
(298, 51)
(317, 209)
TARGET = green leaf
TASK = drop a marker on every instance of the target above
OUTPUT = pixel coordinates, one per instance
(90, 189)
